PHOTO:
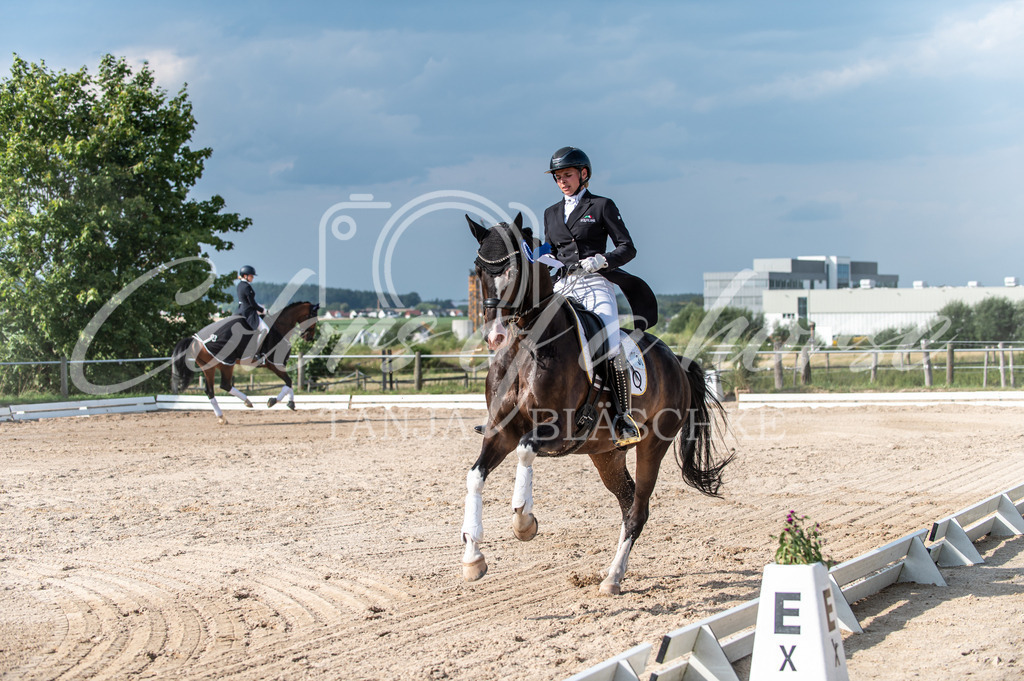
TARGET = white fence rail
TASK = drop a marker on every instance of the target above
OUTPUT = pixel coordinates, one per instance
(711, 645)
(136, 405)
(791, 400)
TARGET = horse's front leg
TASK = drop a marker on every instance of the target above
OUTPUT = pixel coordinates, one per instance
(286, 391)
(546, 438)
(494, 450)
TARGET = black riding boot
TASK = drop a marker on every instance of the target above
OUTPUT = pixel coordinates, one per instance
(626, 431)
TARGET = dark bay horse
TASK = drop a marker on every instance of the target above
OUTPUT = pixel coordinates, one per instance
(536, 384)
(220, 346)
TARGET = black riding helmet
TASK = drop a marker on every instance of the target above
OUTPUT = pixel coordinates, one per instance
(570, 157)
(247, 270)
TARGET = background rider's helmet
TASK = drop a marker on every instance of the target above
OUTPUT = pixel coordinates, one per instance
(246, 270)
(570, 157)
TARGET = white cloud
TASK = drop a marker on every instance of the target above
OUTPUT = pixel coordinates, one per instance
(170, 69)
(992, 45)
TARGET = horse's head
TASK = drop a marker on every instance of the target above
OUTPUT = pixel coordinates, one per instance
(303, 315)
(510, 281)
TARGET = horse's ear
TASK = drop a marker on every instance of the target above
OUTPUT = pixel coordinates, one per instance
(527, 233)
(478, 230)
(519, 220)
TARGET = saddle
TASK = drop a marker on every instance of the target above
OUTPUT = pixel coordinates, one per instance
(594, 347)
(228, 340)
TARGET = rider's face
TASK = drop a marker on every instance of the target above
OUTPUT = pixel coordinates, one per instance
(249, 277)
(568, 180)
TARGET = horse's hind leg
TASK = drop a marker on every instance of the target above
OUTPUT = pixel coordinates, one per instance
(227, 386)
(208, 388)
(649, 454)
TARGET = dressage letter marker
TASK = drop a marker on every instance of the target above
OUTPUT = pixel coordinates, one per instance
(797, 634)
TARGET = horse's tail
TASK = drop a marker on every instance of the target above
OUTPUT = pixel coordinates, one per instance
(697, 460)
(181, 373)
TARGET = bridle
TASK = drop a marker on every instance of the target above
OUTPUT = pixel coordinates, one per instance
(520, 315)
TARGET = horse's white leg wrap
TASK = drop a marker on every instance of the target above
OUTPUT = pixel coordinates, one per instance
(473, 523)
(524, 524)
(216, 407)
(284, 393)
(238, 393)
(617, 569)
(522, 494)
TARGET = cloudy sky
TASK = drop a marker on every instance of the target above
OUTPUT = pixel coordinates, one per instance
(725, 131)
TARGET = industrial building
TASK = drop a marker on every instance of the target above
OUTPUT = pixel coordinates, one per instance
(866, 310)
(804, 273)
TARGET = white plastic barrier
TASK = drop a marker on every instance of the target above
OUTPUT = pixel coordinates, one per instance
(624, 667)
(985, 398)
(231, 403)
(709, 647)
(121, 405)
(954, 537)
(420, 401)
(5, 414)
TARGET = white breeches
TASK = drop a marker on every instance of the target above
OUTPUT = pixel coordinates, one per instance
(261, 333)
(597, 294)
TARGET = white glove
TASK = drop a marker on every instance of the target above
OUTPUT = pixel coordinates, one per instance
(594, 263)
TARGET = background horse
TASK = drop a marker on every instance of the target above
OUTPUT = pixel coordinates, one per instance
(199, 351)
(535, 387)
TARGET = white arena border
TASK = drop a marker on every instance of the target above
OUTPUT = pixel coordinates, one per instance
(988, 398)
(148, 403)
(711, 645)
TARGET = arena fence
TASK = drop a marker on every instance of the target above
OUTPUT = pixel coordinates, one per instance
(918, 399)
(709, 647)
(136, 405)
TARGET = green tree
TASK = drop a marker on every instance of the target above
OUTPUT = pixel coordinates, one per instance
(95, 175)
(961, 321)
(994, 320)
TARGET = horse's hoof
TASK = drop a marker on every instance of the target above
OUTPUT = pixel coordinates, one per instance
(527, 533)
(248, 404)
(222, 421)
(271, 402)
(291, 405)
(610, 589)
(475, 570)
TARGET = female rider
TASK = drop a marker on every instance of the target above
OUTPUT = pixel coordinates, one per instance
(251, 310)
(578, 228)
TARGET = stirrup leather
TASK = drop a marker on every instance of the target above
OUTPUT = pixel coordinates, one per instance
(626, 431)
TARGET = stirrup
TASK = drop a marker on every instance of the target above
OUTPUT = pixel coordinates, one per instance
(626, 431)
(479, 429)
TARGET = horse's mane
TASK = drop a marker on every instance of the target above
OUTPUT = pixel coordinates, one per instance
(291, 305)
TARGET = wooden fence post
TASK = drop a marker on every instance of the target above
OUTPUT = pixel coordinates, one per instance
(1013, 381)
(64, 377)
(984, 370)
(805, 365)
(417, 371)
(926, 360)
(949, 364)
(1002, 364)
(874, 366)
(777, 344)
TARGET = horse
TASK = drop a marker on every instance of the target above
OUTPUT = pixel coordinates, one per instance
(219, 346)
(535, 389)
